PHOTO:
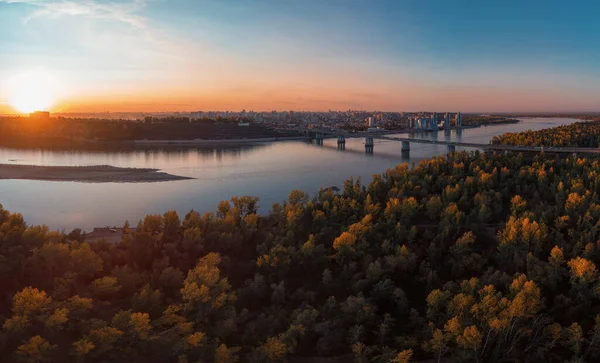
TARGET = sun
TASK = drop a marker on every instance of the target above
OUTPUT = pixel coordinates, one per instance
(32, 91)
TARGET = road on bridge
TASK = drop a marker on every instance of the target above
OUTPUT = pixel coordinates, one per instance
(583, 150)
(517, 148)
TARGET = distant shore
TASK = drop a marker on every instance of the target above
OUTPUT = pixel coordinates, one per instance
(214, 142)
(99, 144)
(88, 174)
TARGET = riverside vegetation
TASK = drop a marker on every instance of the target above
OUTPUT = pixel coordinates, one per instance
(467, 258)
(581, 134)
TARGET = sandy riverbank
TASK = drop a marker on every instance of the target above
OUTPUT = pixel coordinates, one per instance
(89, 174)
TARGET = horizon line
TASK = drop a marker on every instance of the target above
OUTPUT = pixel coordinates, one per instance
(299, 111)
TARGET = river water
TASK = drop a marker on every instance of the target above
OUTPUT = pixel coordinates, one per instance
(269, 171)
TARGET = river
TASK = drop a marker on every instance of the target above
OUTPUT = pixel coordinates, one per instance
(269, 171)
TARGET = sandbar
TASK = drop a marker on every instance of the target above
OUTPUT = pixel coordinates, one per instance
(87, 174)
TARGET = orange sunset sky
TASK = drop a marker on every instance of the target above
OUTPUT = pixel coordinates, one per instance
(183, 55)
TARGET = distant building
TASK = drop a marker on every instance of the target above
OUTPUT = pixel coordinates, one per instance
(448, 119)
(423, 123)
(197, 115)
(371, 121)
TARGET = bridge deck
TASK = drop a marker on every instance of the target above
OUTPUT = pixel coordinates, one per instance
(583, 150)
(383, 136)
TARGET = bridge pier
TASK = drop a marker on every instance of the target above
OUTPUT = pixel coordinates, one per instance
(405, 150)
(319, 138)
(451, 148)
(575, 156)
(369, 143)
(405, 146)
(341, 142)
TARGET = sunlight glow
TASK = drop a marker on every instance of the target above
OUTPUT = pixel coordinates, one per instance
(31, 91)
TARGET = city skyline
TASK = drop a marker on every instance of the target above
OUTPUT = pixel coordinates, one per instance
(150, 56)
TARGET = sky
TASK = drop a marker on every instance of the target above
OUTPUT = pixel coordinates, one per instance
(397, 55)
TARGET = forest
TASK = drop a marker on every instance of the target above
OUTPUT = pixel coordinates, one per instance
(76, 133)
(470, 257)
(582, 134)
(479, 120)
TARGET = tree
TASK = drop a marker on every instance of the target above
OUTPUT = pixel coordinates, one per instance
(346, 240)
(223, 354)
(139, 324)
(147, 300)
(438, 344)
(518, 205)
(205, 294)
(36, 349)
(82, 348)
(172, 223)
(274, 350)
(49, 261)
(583, 275)
(105, 286)
(403, 357)
(30, 301)
(434, 207)
(86, 263)
(57, 319)
(104, 338)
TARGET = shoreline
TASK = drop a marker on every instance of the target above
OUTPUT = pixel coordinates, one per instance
(214, 142)
(86, 174)
(199, 143)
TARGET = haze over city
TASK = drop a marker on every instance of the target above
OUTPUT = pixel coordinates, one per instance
(158, 55)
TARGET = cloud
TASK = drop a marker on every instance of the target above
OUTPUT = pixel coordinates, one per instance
(125, 12)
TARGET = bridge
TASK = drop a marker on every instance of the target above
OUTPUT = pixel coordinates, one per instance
(497, 147)
(320, 134)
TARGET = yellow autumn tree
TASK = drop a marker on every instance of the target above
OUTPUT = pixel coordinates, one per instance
(82, 347)
(35, 350)
(274, 349)
(224, 354)
(403, 357)
(204, 289)
(345, 240)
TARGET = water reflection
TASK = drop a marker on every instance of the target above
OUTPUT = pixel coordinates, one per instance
(124, 155)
